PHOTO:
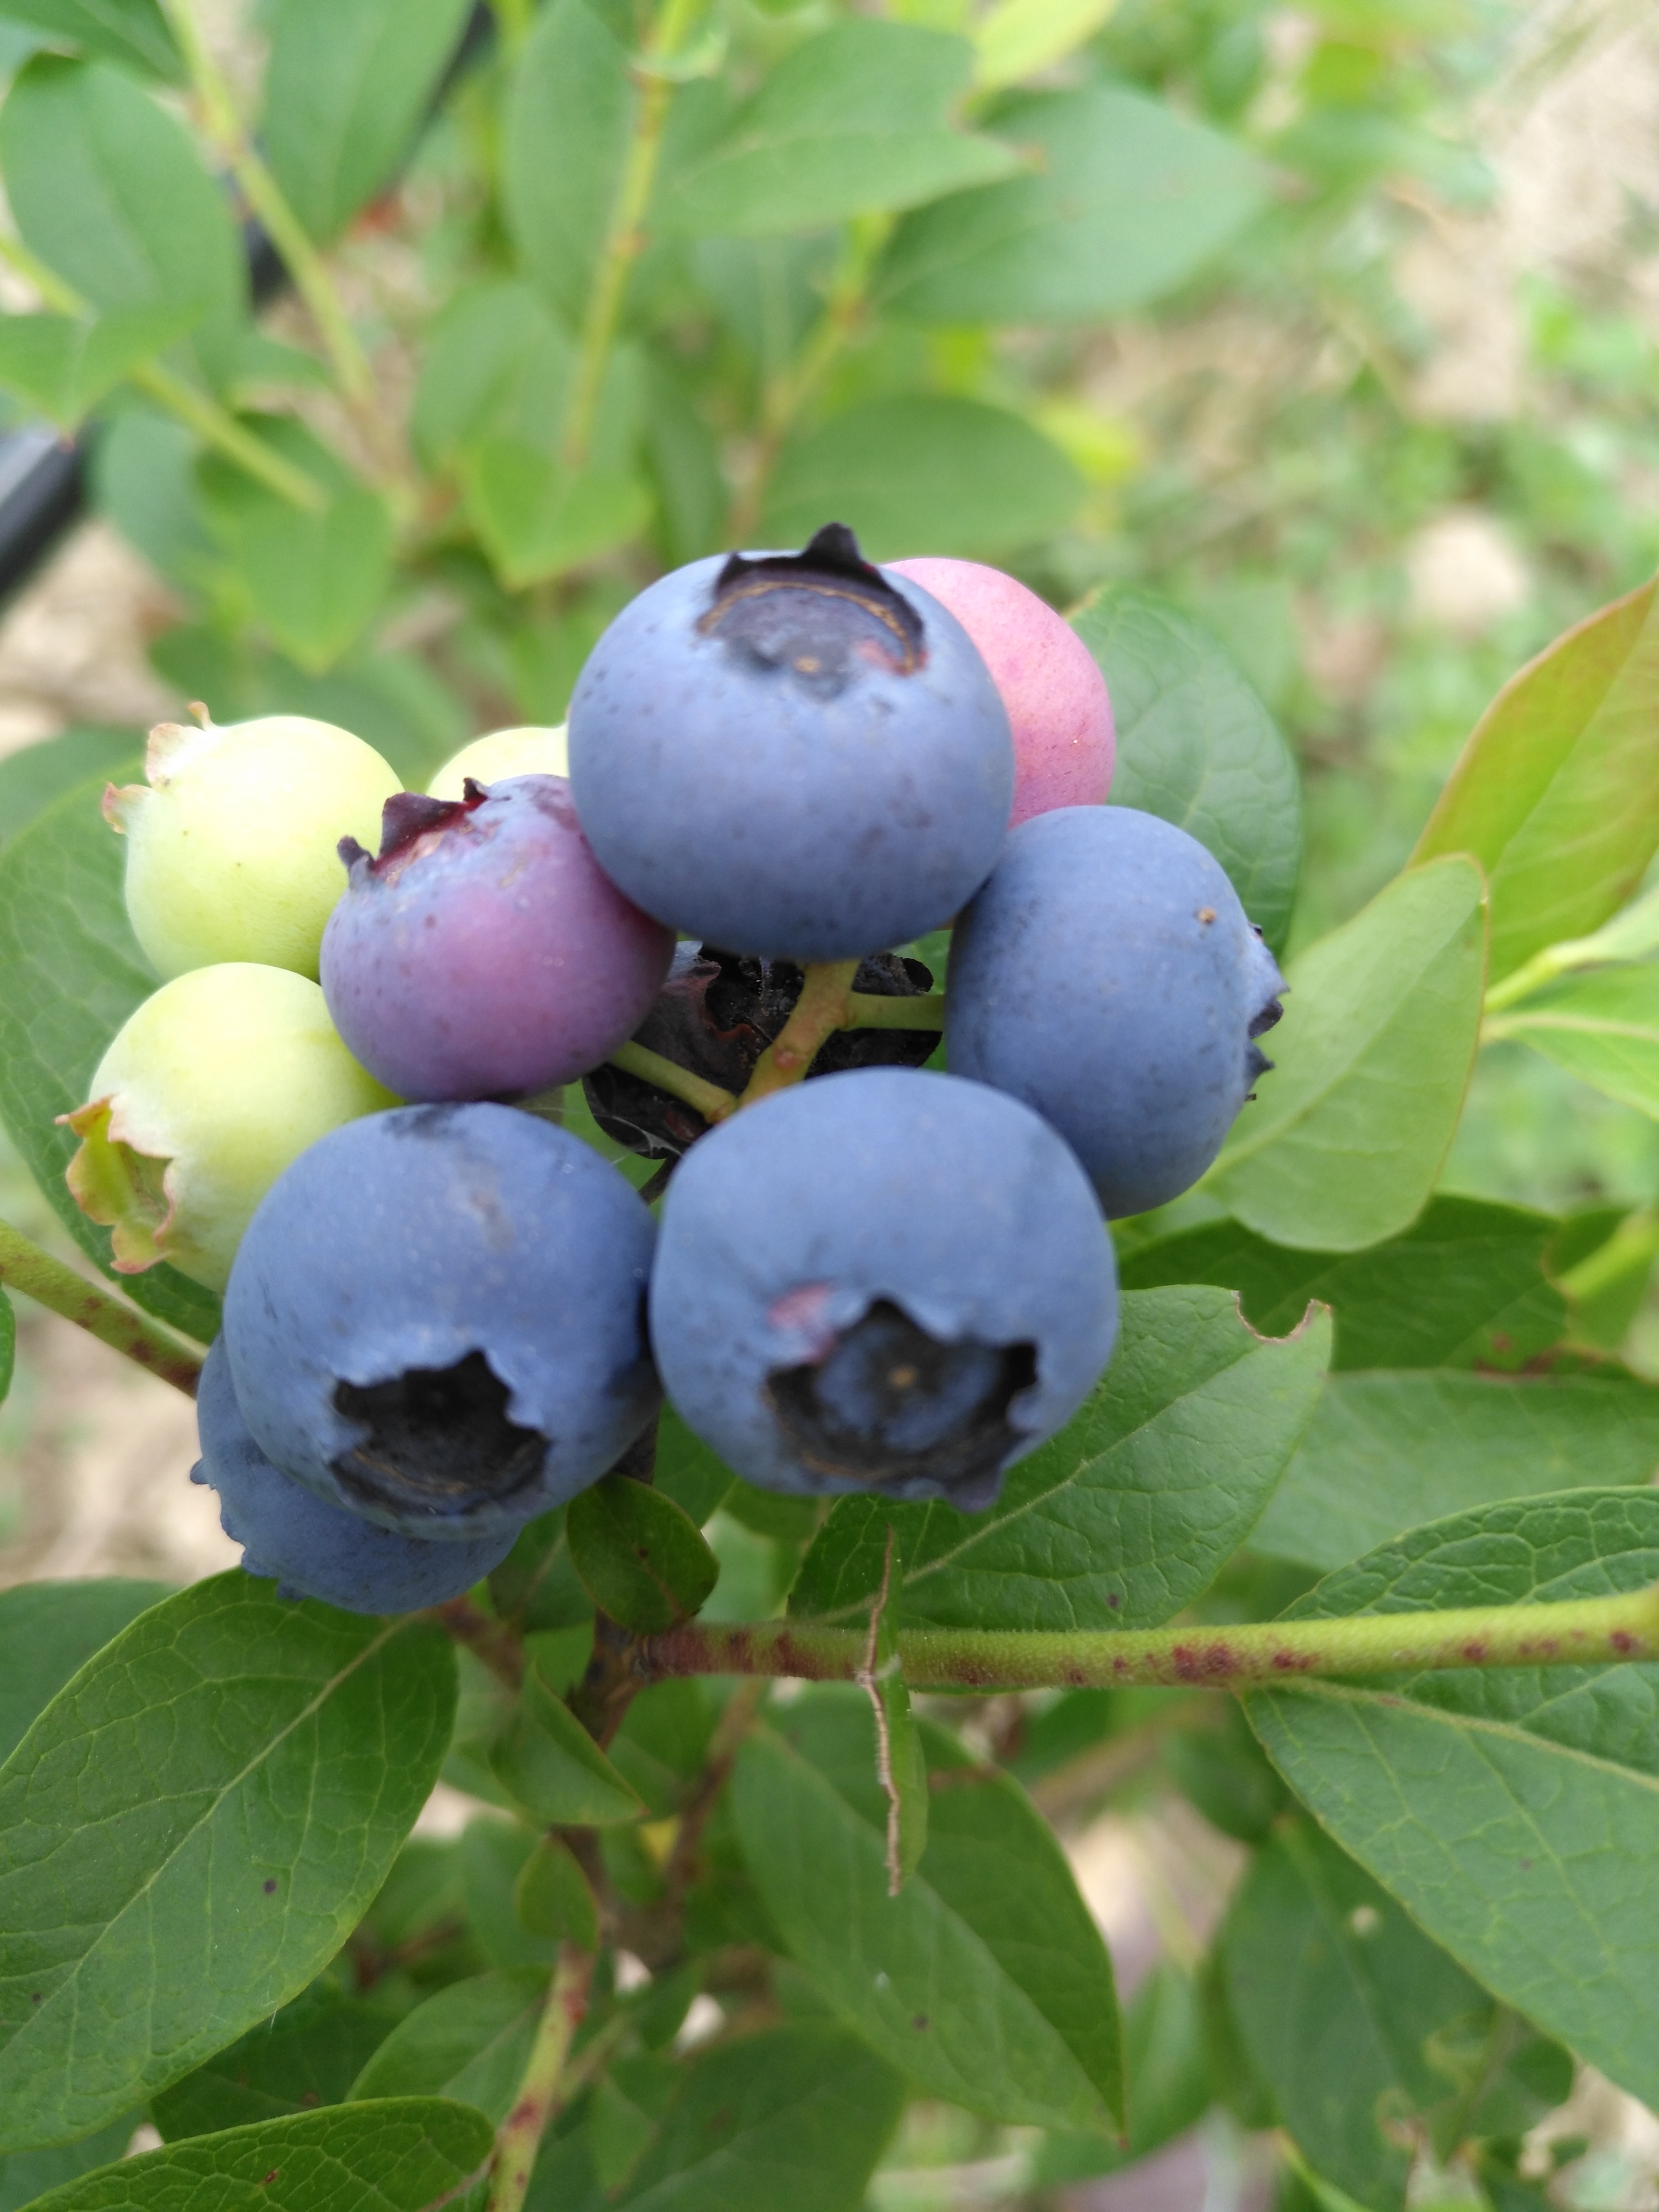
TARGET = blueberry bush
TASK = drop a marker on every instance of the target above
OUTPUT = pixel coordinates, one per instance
(768, 1273)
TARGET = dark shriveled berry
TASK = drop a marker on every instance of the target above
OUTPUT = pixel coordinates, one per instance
(716, 1015)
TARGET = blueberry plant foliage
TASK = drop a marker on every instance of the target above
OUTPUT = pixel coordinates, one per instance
(1353, 1540)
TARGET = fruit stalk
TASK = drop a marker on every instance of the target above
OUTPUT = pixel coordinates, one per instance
(867, 1010)
(24, 1267)
(1575, 1631)
(822, 1009)
(545, 2085)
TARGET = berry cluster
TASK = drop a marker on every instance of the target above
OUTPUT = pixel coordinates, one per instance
(444, 1312)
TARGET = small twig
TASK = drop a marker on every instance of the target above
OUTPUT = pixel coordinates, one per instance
(732, 1726)
(845, 310)
(213, 424)
(223, 126)
(868, 1679)
(149, 1343)
(820, 1010)
(625, 234)
(1562, 1633)
(546, 2088)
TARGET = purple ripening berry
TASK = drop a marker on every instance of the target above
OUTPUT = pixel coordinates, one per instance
(483, 953)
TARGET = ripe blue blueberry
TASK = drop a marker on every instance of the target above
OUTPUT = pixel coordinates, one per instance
(882, 1281)
(796, 756)
(485, 953)
(436, 1319)
(312, 1548)
(1106, 974)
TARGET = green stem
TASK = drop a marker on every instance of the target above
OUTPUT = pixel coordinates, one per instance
(216, 427)
(24, 1267)
(867, 1010)
(843, 316)
(625, 237)
(710, 1100)
(822, 1009)
(264, 196)
(513, 20)
(543, 2088)
(213, 424)
(1576, 1631)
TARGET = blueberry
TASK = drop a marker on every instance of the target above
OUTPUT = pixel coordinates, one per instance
(436, 1319)
(1065, 744)
(882, 1281)
(528, 750)
(798, 755)
(201, 1098)
(312, 1548)
(483, 953)
(1107, 975)
(231, 842)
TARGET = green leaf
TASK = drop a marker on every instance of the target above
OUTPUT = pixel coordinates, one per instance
(1128, 1514)
(535, 1586)
(48, 1632)
(1196, 746)
(662, 1746)
(469, 2042)
(856, 121)
(641, 1557)
(64, 367)
(629, 2106)
(191, 1828)
(1385, 1453)
(1602, 1028)
(131, 31)
(27, 2175)
(537, 518)
(553, 1768)
(1514, 1812)
(1127, 199)
(953, 475)
(70, 973)
(553, 1899)
(1463, 1286)
(405, 2156)
(1371, 1060)
(1169, 2082)
(346, 84)
(8, 1356)
(984, 1980)
(307, 2054)
(1557, 793)
(1015, 39)
(314, 578)
(794, 2115)
(566, 128)
(687, 1470)
(1340, 1998)
(35, 774)
(110, 191)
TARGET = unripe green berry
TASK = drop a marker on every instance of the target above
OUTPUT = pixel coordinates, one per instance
(526, 752)
(209, 1091)
(232, 847)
